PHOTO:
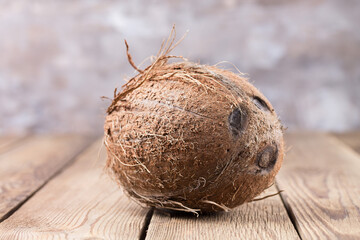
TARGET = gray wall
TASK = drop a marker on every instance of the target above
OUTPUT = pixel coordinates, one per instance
(58, 57)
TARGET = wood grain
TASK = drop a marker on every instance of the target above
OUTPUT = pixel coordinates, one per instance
(321, 179)
(26, 168)
(352, 139)
(80, 203)
(266, 219)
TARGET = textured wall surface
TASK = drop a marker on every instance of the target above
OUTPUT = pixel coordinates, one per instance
(57, 58)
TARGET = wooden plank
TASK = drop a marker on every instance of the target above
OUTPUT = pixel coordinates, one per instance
(266, 219)
(26, 168)
(80, 203)
(7, 142)
(321, 179)
(352, 139)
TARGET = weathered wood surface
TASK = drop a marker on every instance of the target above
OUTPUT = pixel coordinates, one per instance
(352, 139)
(266, 219)
(321, 179)
(24, 169)
(71, 198)
(80, 203)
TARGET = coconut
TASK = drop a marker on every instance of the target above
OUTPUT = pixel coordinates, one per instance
(192, 137)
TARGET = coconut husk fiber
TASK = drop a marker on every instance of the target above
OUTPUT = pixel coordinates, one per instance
(191, 137)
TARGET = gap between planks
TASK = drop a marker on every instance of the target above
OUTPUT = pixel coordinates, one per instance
(289, 211)
(145, 227)
(28, 167)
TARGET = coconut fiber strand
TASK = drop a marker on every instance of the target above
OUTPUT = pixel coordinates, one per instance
(192, 137)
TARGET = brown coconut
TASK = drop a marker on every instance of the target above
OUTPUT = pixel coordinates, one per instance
(192, 137)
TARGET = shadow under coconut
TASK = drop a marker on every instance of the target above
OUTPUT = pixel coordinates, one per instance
(188, 215)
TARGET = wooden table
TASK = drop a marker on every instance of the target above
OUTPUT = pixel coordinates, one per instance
(54, 187)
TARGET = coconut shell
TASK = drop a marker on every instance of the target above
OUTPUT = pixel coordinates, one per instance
(192, 137)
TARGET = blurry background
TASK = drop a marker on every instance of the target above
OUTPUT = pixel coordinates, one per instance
(57, 58)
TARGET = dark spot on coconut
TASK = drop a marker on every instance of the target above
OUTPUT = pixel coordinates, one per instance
(237, 121)
(109, 133)
(267, 158)
(261, 104)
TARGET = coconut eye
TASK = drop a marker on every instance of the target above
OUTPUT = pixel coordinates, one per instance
(261, 104)
(237, 121)
(267, 158)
